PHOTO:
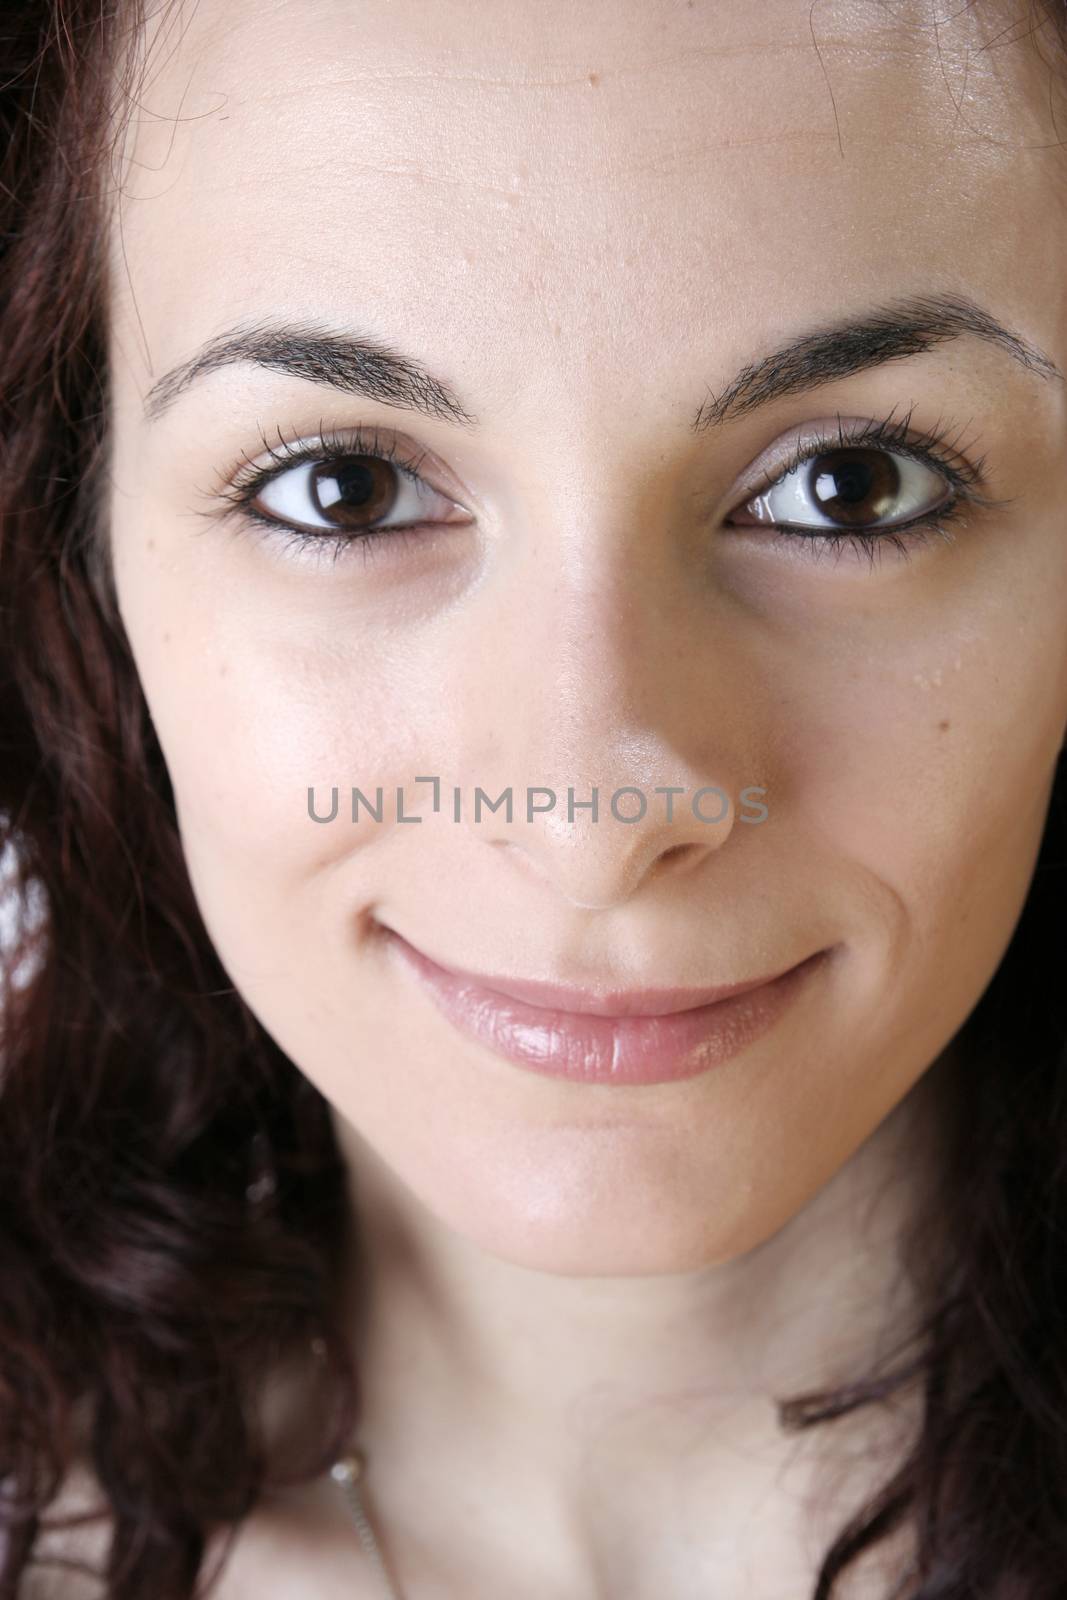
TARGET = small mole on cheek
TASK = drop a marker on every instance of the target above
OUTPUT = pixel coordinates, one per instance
(151, 544)
(594, 79)
(943, 726)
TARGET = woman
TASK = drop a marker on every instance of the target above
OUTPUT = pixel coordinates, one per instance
(652, 418)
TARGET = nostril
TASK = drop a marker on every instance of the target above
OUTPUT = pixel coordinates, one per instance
(676, 850)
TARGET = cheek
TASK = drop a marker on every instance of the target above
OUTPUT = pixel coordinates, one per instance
(254, 703)
(919, 765)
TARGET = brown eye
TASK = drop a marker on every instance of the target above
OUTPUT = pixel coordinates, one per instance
(847, 488)
(355, 492)
(854, 487)
(340, 494)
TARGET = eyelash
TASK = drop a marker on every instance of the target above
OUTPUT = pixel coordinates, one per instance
(247, 480)
(935, 449)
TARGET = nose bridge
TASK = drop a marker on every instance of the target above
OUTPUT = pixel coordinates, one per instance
(603, 590)
(592, 706)
(582, 683)
(592, 688)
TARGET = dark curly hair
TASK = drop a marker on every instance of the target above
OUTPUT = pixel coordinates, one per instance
(173, 1202)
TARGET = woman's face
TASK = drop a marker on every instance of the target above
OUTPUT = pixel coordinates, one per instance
(591, 225)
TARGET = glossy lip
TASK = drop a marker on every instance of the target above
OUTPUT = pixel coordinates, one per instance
(602, 1043)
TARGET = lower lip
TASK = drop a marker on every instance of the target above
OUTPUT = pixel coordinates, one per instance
(611, 1050)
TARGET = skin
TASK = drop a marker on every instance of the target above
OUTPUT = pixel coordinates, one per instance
(577, 1302)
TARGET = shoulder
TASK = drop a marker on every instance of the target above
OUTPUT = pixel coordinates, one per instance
(300, 1542)
(51, 1576)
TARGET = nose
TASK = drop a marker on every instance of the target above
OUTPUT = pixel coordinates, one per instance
(596, 705)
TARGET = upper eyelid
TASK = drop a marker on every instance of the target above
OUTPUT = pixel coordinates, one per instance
(813, 439)
(228, 484)
(968, 479)
(326, 444)
(250, 478)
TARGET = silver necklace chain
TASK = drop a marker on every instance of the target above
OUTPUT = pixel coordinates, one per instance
(348, 1472)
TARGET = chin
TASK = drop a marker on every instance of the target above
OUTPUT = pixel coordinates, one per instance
(595, 1236)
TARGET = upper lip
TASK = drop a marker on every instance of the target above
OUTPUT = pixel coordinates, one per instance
(598, 1002)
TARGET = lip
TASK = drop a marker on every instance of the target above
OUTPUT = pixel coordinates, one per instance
(637, 1036)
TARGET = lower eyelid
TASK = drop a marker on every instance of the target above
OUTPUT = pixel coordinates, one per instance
(942, 526)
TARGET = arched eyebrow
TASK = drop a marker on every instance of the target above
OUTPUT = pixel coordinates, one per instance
(336, 360)
(901, 328)
(368, 367)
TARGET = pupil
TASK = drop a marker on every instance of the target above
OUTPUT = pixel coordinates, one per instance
(353, 492)
(855, 486)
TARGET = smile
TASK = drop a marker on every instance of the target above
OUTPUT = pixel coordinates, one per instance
(622, 1038)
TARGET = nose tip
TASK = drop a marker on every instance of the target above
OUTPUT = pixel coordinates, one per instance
(623, 884)
(596, 866)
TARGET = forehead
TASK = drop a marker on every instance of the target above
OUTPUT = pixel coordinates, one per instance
(547, 179)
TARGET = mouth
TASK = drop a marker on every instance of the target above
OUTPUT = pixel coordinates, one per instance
(635, 1036)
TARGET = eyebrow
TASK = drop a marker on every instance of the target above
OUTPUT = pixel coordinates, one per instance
(369, 367)
(904, 327)
(354, 365)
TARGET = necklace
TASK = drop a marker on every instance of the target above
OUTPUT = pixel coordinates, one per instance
(348, 1471)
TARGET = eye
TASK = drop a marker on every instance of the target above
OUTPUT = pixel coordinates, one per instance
(849, 488)
(870, 485)
(356, 491)
(348, 496)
